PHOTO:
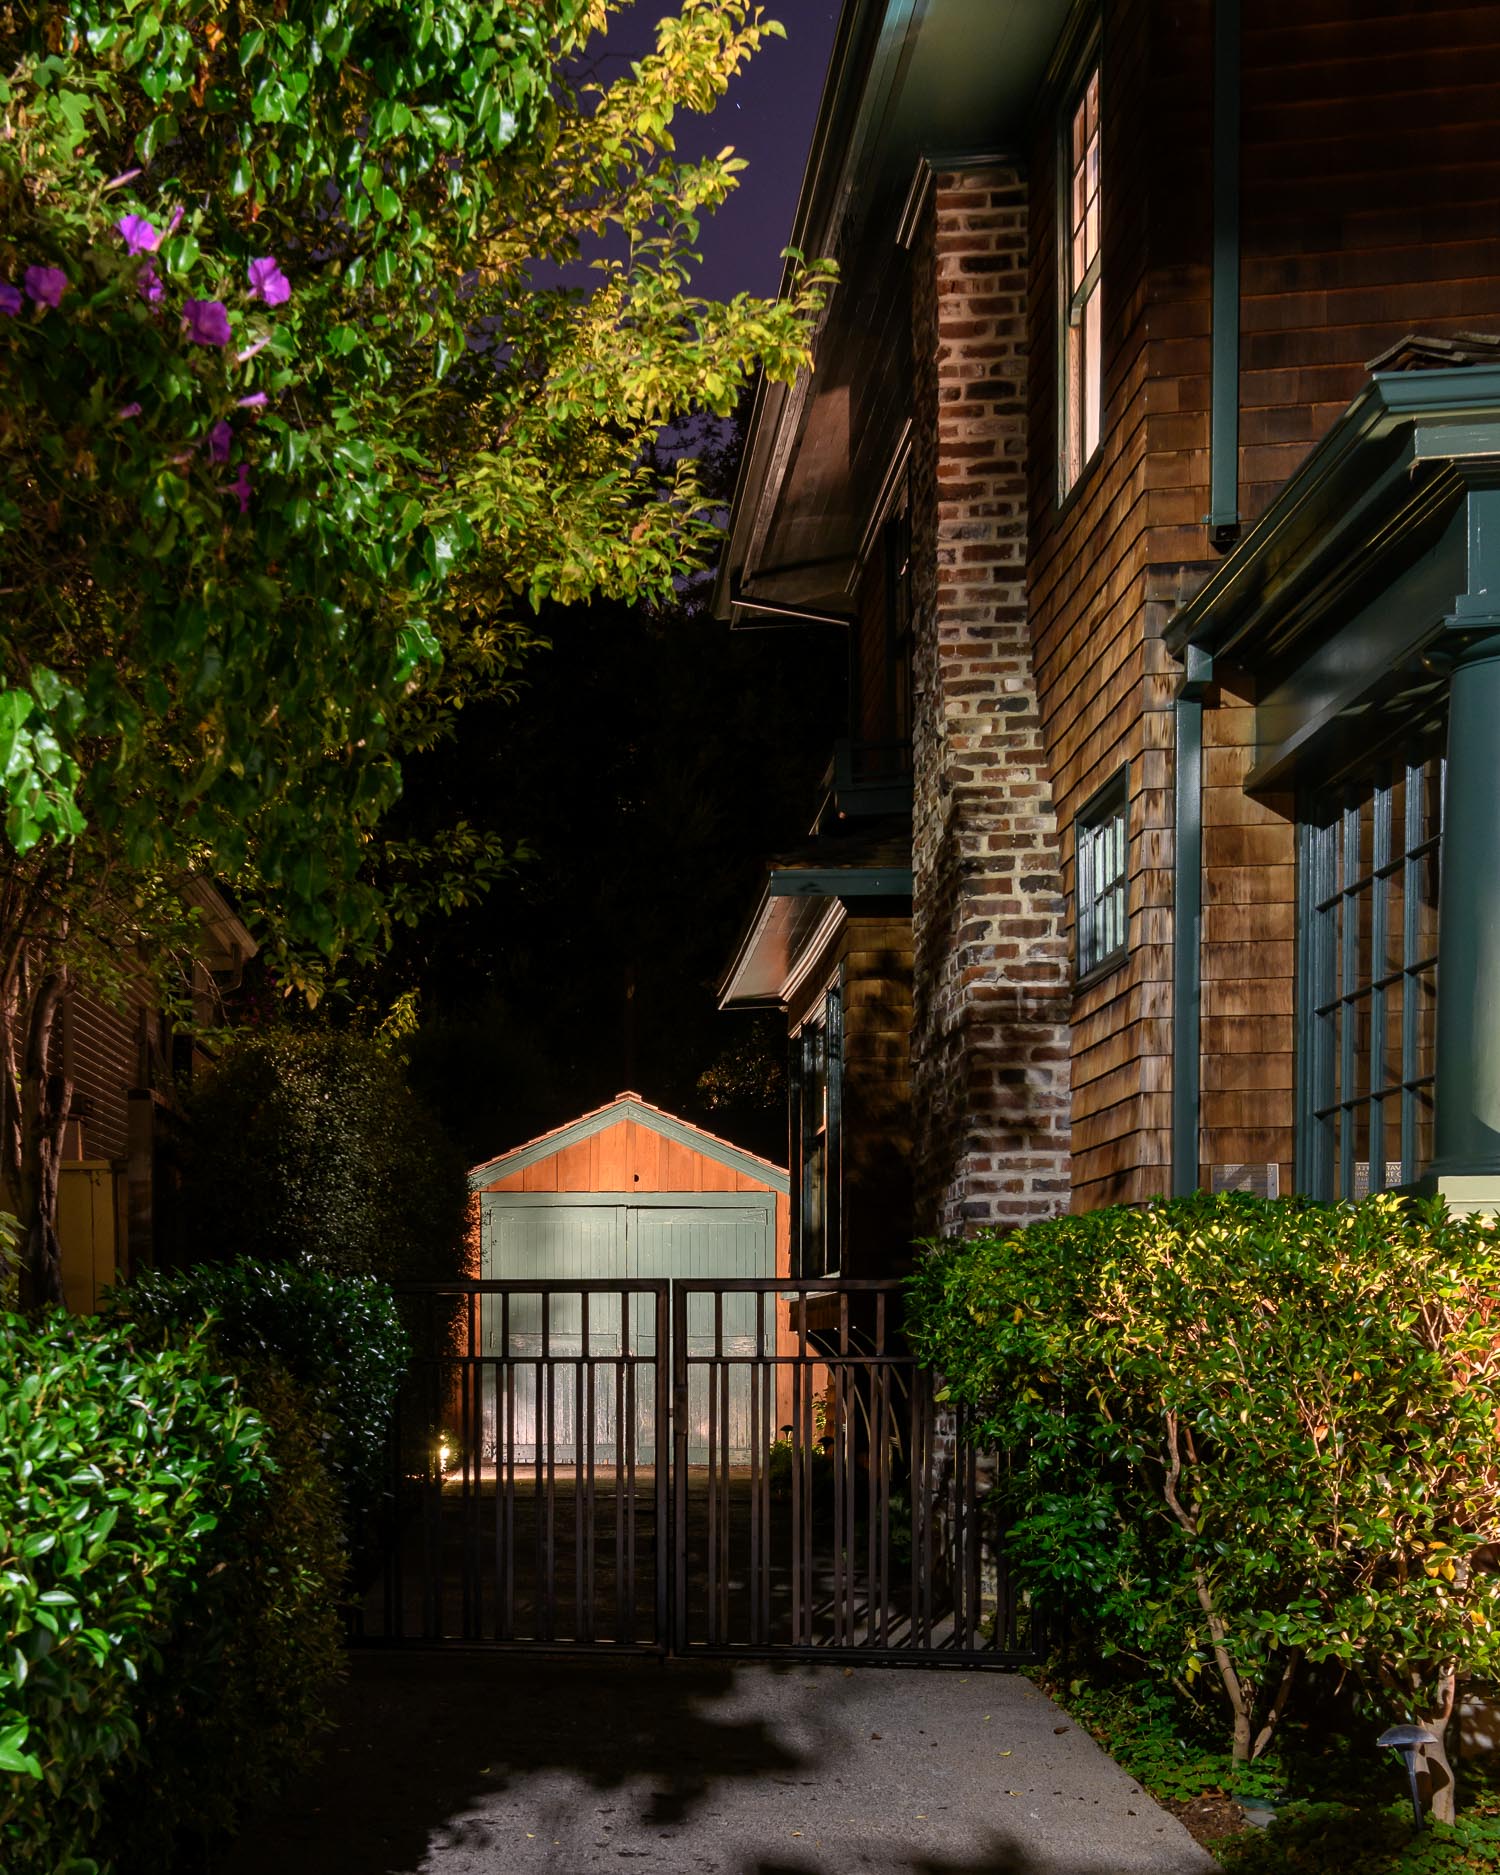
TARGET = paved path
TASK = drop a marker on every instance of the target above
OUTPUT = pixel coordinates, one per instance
(480, 1766)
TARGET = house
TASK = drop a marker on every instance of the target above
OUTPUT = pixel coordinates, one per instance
(1151, 464)
(127, 1060)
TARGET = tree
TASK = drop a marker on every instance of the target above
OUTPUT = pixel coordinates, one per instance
(292, 433)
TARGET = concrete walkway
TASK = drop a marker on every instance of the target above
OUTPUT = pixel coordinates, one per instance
(480, 1766)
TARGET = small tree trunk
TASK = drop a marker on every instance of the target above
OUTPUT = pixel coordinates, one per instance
(46, 1100)
(1434, 1767)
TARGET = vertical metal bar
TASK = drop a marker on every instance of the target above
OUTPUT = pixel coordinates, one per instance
(583, 1460)
(1349, 963)
(805, 1434)
(842, 1596)
(794, 1434)
(505, 1482)
(632, 1411)
(768, 1422)
(1410, 889)
(753, 1578)
(1380, 811)
(547, 1475)
(468, 1492)
(1223, 517)
(1187, 919)
(711, 1375)
(395, 1594)
(662, 1522)
(624, 1349)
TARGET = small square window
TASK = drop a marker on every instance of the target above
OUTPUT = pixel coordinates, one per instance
(1101, 845)
(1081, 351)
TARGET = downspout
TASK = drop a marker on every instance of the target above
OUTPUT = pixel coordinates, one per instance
(1187, 917)
(1223, 517)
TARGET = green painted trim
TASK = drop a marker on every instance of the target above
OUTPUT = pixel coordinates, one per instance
(834, 882)
(1406, 445)
(1187, 921)
(664, 1124)
(659, 1200)
(1393, 630)
(1223, 517)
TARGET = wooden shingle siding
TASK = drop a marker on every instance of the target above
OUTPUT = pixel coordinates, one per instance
(1106, 566)
(1370, 205)
(104, 1050)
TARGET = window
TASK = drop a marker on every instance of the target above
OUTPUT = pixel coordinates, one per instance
(1100, 848)
(817, 1099)
(1082, 390)
(1367, 979)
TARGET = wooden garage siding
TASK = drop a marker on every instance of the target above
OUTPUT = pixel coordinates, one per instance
(623, 1157)
(103, 1048)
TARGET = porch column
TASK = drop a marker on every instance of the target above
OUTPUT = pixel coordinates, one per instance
(1466, 1164)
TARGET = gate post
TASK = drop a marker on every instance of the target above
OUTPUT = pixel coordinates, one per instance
(676, 1640)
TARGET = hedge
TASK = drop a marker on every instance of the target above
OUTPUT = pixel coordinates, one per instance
(1243, 1438)
(119, 1469)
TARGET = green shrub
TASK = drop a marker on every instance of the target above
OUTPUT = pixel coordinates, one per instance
(307, 1147)
(1243, 1438)
(1314, 1838)
(336, 1337)
(118, 1468)
(241, 1691)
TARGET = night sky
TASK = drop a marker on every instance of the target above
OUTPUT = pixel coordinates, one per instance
(768, 117)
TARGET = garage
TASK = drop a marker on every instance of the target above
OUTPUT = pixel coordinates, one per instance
(628, 1192)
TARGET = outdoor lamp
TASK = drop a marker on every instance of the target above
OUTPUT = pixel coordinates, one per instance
(1406, 1739)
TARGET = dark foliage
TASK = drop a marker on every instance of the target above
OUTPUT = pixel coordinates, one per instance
(306, 1146)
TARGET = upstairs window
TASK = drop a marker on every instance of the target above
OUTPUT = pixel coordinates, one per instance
(1100, 847)
(1082, 347)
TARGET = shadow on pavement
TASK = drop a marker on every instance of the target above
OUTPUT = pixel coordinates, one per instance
(422, 1741)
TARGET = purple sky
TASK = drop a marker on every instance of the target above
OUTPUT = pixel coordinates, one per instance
(768, 117)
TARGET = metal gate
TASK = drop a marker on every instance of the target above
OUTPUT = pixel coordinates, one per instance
(744, 1466)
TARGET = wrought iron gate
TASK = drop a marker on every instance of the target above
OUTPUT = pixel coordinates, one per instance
(740, 1466)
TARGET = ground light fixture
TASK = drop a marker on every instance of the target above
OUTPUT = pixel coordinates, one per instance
(1408, 1739)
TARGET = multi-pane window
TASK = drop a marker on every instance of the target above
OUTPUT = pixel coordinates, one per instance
(1368, 979)
(1082, 348)
(1100, 849)
(817, 1098)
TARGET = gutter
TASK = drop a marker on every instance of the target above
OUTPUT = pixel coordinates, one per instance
(1223, 517)
(1187, 919)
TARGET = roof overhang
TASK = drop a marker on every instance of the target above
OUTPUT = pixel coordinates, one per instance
(909, 81)
(800, 911)
(1334, 604)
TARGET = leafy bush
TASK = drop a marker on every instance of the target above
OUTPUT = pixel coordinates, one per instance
(241, 1691)
(118, 1469)
(335, 1337)
(1312, 1838)
(307, 1147)
(1244, 1436)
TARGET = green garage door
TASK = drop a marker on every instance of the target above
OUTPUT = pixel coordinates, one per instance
(559, 1238)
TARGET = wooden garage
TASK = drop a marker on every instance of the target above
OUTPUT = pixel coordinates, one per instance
(624, 1193)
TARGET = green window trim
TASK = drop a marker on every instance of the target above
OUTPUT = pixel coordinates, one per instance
(1101, 881)
(1368, 866)
(816, 1084)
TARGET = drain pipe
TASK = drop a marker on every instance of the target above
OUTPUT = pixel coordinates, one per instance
(1187, 917)
(1223, 517)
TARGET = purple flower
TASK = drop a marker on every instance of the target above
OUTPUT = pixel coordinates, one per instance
(174, 221)
(250, 350)
(240, 487)
(255, 401)
(118, 182)
(138, 234)
(148, 283)
(205, 321)
(269, 283)
(11, 301)
(127, 410)
(46, 285)
(221, 440)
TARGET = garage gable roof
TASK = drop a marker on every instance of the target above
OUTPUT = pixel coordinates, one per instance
(631, 1106)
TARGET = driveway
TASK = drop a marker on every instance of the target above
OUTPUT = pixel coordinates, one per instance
(468, 1765)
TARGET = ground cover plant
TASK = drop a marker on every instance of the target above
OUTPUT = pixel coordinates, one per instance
(1255, 1441)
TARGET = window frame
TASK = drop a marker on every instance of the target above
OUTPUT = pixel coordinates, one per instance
(1104, 807)
(817, 1066)
(1078, 298)
(1330, 1061)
